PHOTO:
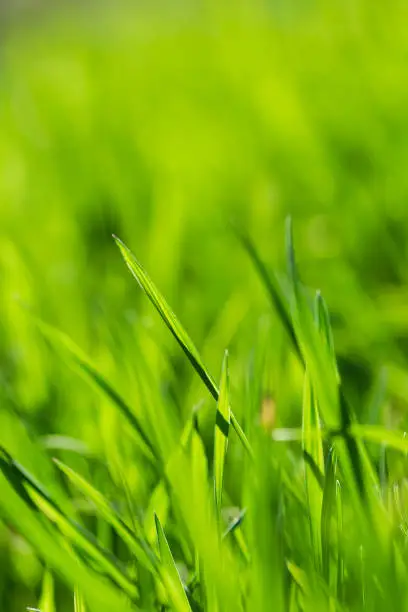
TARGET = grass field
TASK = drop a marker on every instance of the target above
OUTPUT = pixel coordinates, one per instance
(208, 411)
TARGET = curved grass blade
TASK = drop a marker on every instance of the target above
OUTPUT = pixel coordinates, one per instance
(21, 480)
(175, 327)
(51, 547)
(275, 293)
(169, 573)
(142, 551)
(78, 536)
(221, 435)
(78, 360)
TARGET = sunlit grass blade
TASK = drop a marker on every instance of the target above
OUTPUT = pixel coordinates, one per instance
(52, 548)
(139, 547)
(79, 602)
(336, 411)
(21, 480)
(327, 509)
(300, 577)
(340, 538)
(170, 574)
(76, 358)
(79, 537)
(221, 434)
(178, 331)
(313, 446)
(274, 291)
(323, 324)
(47, 602)
(168, 316)
(315, 352)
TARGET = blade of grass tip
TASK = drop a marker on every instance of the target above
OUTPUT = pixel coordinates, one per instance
(290, 256)
(279, 302)
(140, 548)
(177, 330)
(324, 326)
(358, 469)
(85, 367)
(47, 602)
(235, 523)
(168, 316)
(170, 574)
(21, 480)
(315, 355)
(299, 577)
(221, 435)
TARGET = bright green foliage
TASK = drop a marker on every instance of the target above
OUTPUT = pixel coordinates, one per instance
(258, 553)
(126, 488)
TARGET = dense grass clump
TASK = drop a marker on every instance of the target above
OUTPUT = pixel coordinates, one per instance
(317, 519)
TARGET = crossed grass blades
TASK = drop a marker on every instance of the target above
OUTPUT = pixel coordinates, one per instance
(316, 528)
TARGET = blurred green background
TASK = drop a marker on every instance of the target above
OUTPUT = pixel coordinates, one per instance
(164, 123)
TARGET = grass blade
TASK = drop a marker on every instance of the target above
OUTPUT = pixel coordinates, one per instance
(79, 602)
(47, 603)
(21, 481)
(144, 555)
(83, 364)
(324, 326)
(313, 447)
(340, 537)
(275, 293)
(50, 546)
(169, 572)
(175, 327)
(221, 435)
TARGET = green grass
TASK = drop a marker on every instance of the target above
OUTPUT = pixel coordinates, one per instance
(228, 432)
(291, 548)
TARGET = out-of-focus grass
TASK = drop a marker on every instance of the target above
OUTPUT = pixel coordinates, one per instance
(162, 126)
